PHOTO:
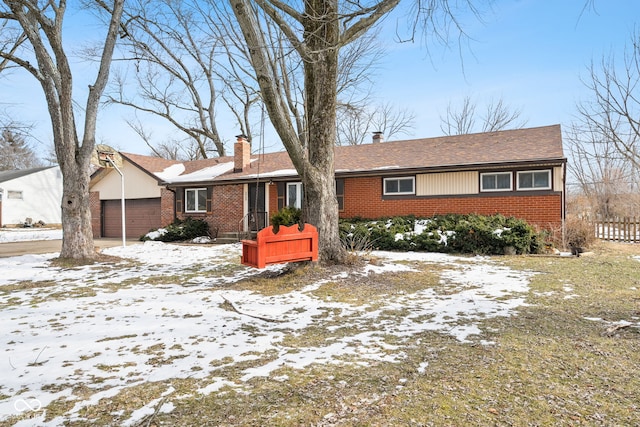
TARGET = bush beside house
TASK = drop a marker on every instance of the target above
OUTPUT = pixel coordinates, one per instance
(179, 230)
(486, 235)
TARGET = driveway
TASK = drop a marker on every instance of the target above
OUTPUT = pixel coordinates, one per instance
(46, 246)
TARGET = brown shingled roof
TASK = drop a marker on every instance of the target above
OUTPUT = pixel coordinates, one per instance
(149, 163)
(540, 144)
(153, 165)
(511, 146)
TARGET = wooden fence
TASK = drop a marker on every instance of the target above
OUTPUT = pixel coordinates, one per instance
(625, 229)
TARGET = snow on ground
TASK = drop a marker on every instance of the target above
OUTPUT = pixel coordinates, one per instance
(26, 234)
(109, 328)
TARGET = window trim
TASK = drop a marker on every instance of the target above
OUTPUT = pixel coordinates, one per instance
(340, 193)
(299, 193)
(186, 200)
(15, 195)
(534, 188)
(399, 193)
(493, 190)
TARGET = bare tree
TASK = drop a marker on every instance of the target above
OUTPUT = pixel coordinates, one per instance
(317, 31)
(459, 121)
(499, 116)
(465, 119)
(37, 47)
(187, 56)
(173, 63)
(356, 123)
(15, 152)
(614, 107)
(604, 177)
(168, 148)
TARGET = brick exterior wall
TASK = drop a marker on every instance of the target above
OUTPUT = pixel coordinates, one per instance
(96, 215)
(273, 199)
(167, 203)
(226, 208)
(363, 198)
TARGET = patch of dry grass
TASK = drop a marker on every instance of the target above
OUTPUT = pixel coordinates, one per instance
(550, 364)
(369, 289)
(292, 278)
(99, 258)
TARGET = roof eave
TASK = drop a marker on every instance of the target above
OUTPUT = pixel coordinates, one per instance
(143, 169)
(226, 180)
(452, 168)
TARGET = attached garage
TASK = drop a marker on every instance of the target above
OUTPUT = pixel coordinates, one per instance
(141, 215)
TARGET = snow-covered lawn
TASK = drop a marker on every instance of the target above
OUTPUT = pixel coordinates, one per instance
(167, 312)
(26, 234)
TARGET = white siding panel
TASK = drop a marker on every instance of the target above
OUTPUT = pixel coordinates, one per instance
(41, 198)
(137, 184)
(447, 183)
(557, 178)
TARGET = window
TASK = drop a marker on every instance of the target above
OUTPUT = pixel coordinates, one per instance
(497, 181)
(534, 180)
(294, 194)
(340, 193)
(196, 199)
(11, 194)
(399, 186)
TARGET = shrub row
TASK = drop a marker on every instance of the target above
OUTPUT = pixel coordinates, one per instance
(477, 234)
(179, 230)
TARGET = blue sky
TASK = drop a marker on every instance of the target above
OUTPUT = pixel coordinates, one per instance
(530, 53)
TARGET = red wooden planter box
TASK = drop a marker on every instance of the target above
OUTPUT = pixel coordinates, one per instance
(288, 245)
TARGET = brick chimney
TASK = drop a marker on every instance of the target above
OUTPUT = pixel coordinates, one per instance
(241, 153)
(377, 137)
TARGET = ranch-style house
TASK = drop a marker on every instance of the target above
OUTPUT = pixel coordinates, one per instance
(518, 173)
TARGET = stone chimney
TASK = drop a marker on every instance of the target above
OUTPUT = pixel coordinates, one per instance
(377, 137)
(241, 153)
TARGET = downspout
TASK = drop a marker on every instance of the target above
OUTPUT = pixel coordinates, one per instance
(564, 202)
(175, 215)
(122, 201)
(1, 196)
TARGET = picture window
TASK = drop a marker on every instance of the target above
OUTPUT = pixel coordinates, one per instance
(534, 180)
(196, 199)
(498, 181)
(399, 186)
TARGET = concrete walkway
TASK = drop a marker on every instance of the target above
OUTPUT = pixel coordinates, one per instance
(47, 246)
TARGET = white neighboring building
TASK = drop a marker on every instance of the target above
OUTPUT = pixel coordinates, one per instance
(31, 193)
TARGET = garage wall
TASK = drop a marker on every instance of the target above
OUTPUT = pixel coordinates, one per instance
(137, 184)
(141, 215)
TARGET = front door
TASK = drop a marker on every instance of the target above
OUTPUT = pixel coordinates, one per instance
(257, 219)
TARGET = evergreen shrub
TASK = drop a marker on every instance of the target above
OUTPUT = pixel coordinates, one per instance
(286, 216)
(453, 233)
(180, 230)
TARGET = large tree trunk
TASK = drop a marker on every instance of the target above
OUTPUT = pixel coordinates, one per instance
(77, 235)
(322, 34)
(311, 153)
